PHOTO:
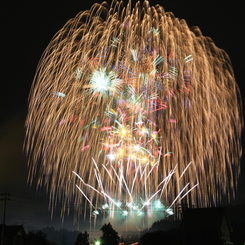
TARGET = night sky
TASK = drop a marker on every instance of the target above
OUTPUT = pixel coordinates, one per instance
(26, 29)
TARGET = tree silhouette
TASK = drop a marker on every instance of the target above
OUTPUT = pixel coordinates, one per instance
(36, 238)
(110, 236)
(82, 239)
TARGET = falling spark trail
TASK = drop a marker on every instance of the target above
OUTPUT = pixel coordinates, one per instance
(111, 200)
(185, 170)
(85, 196)
(150, 199)
(178, 195)
(186, 193)
(153, 103)
(108, 173)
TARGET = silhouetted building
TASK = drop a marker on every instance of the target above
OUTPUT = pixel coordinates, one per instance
(206, 226)
(13, 235)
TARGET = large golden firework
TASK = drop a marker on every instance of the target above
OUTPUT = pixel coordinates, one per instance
(130, 103)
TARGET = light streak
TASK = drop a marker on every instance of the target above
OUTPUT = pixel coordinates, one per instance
(157, 60)
(134, 54)
(85, 147)
(188, 58)
(59, 94)
(168, 154)
(85, 196)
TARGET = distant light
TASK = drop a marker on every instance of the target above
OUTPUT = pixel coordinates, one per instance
(134, 55)
(143, 131)
(111, 157)
(103, 82)
(147, 203)
(154, 135)
(59, 94)
(78, 73)
(137, 147)
(169, 211)
(129, 204)
(145, 159)
(105, 206)
(124, 213)
(154, 30)
(135, 207)
(140, 213)
(158, 204)
(118, 204)
(95, 212)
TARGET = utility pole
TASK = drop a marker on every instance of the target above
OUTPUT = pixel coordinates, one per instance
(5, 198)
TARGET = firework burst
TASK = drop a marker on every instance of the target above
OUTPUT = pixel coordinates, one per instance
(123, 99)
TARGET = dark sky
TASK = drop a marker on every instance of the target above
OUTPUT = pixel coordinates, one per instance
(26, 28)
